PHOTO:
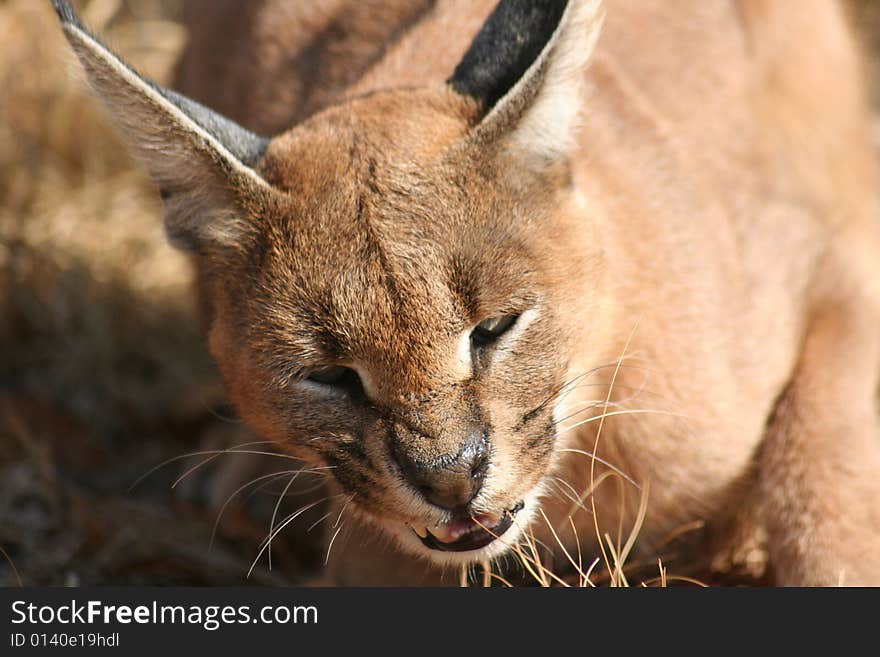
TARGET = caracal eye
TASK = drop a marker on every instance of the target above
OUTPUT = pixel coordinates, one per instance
(493, 328)
(334, 375)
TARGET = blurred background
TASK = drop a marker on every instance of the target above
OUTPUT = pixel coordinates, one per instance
(103, 367)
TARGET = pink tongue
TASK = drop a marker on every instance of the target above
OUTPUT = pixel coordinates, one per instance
(454, 530)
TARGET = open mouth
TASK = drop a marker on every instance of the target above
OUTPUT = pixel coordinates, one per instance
(469, 533)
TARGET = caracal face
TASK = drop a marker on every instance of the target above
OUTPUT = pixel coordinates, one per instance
(403, 326)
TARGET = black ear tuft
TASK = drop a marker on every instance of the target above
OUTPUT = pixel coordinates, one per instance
(507, 45)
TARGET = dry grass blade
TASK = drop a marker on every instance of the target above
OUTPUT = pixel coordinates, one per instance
(634, 532)
(595, 449)
(665, 579)
(576, 564)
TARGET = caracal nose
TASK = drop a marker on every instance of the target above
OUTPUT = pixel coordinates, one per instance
(452, 480)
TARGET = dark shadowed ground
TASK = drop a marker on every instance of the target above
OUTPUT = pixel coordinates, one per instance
(103, 370)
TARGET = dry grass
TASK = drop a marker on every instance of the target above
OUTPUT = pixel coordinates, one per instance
(103, 370)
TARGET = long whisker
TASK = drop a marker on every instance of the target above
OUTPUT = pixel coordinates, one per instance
(603, 462)
(271, 477)
(633, 411)
(218, 452)
(560, 389)
(342, 510)
(219, 416)
(589, 405)
(338, 528)
(319, 521)
(579, 503)
(536, 555)
(566, 387)
(275, 513)
(638, 390)
(216, 455)
(289, 519)
(592, 403)
(332, 541)
(572, 496)
(318, 470)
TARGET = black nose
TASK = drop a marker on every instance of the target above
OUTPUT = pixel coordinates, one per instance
(452, 480)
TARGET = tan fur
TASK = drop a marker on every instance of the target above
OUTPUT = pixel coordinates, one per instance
(710, 245)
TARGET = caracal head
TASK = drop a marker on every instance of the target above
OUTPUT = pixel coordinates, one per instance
(394, 283)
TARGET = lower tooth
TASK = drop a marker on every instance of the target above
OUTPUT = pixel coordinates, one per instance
(487, 522)
(421, 531)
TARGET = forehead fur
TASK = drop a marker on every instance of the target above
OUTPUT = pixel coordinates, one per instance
(416, 124)
(408, 230)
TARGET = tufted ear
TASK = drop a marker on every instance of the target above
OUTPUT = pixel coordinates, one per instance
(201, 160)
(525, 68)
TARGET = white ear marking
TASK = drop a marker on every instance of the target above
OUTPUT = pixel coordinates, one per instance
(537, 117)
(549, 124)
